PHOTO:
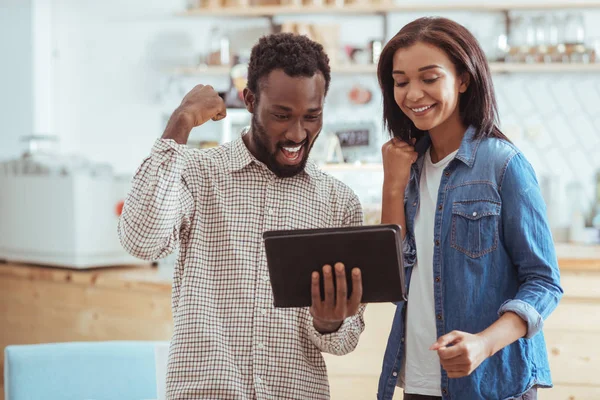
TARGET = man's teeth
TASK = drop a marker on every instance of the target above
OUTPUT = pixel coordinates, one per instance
(421, 109)
(292, 149)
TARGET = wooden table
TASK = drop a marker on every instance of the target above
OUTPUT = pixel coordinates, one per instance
(41, 304)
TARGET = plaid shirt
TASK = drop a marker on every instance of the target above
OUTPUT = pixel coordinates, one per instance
(229, 342)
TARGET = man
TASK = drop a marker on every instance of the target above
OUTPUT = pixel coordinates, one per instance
(229, 342)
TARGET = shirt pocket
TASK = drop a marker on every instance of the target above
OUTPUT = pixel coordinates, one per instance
(475, 227)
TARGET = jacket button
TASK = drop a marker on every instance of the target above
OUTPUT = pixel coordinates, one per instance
(438, 279)
(444, 392)
(447, 173)
(437, 242)
(439, 316)
(415, 204)
(440, 207)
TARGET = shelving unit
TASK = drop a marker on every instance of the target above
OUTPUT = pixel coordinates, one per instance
(496, 67)
(385, 7)
(380, 8)
(500, 67)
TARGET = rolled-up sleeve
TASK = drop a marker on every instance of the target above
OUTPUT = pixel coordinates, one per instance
(534, 320)
(529, 243)
(342, 341)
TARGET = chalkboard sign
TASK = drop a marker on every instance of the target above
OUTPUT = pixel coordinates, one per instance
(353, 137)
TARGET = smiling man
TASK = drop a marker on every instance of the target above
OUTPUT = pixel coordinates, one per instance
(229, 342)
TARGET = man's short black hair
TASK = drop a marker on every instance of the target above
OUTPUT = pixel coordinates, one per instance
(296, 55)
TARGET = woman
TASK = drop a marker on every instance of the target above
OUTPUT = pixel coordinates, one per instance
(479, 257)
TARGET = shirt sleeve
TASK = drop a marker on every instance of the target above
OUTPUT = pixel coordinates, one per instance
(529, 243)
(342, 341)
(353, 212)
(158, 208)
(345, 339)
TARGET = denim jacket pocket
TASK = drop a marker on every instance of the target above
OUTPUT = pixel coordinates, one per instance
(475, 227)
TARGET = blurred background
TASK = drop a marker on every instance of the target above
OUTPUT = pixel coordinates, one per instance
(86, 87)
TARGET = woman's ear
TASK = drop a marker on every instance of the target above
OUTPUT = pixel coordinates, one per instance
(249, 99)
(465, 80)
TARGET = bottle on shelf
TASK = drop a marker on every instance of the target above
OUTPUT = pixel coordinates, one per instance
(218, 48)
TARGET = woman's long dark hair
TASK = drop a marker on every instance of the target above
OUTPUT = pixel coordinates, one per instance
(477, 106)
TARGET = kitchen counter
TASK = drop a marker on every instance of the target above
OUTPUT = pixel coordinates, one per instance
(131, 277)
(44, 304)
(571, 257)
(574, 257)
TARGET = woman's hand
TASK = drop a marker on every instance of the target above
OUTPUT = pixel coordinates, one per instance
(398, 157)
(461, 353)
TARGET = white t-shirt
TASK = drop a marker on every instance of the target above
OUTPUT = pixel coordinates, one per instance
(422, 374)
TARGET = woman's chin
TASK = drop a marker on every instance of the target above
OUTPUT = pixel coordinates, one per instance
(423, 126)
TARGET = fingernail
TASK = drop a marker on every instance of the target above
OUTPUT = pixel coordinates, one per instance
(356, 272)
(339, 267)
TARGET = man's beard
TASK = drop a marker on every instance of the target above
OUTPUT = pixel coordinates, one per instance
(261, 141)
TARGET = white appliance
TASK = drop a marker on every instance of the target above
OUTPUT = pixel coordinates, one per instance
(61, 211)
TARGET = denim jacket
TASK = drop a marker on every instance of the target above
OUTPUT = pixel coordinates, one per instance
(493, 253)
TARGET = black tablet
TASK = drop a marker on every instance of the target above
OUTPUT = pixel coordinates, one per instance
(292, 256)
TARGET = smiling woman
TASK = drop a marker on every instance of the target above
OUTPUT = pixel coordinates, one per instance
(432, 67)
(480, 262)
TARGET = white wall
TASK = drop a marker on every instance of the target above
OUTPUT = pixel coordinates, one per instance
(16, 97)
(109, 61)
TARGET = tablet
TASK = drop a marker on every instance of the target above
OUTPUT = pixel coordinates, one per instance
(292, 256)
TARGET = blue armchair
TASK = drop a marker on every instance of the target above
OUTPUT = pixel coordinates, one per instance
(81, 370)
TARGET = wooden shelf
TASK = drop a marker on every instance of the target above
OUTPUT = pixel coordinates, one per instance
(220, 70)
(198, 71)
(496, 67)
(557, 68)
(379, 8)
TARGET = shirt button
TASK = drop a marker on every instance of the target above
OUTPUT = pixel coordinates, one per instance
(270, 211)
(259, 380)
(263, 311)
(395, 373)
(265, 278)
(474, 213)
(260, 346)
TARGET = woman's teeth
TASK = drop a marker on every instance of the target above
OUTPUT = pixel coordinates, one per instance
(421, 109)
